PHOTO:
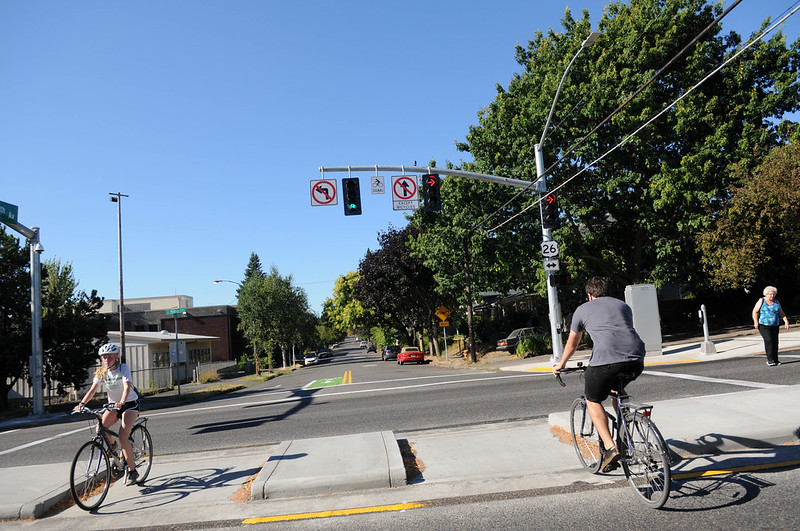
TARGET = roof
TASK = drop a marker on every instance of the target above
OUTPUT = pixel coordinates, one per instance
(159, 337)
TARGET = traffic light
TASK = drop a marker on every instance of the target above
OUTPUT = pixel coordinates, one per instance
(352, 196)
(560, 279)
(549, 204)
(431, 193)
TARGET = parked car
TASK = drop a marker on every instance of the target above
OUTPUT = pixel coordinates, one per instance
(510, 343)
(390, 352)
(324, 353)
(371, 347)
(363, 344)
(410, 354)
(310, 358)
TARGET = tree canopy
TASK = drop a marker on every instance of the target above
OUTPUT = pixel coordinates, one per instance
(631, 213)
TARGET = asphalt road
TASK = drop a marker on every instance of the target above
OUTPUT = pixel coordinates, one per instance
(383, 396)
(753, 500)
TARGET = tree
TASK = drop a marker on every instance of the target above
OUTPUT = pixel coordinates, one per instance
(15, 324)
(72, 327)
(344, 311)
(272, 312)
(397, 286)
(633, 216)
(754, 238)
(253, 269)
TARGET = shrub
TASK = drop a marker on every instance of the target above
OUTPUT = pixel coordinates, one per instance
(208, 377)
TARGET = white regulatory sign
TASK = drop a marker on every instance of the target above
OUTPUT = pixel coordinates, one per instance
(551, 264)
(377, 184)
(550, 249)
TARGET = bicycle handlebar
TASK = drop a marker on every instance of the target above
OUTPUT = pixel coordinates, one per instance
(105, 407)
(579, 368)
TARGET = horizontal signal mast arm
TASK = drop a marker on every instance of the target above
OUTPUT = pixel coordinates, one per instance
(442, 171)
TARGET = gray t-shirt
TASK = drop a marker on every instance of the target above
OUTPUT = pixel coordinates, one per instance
(609, 322)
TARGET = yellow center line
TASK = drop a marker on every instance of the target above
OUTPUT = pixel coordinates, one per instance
(327, 514)
(348, 377)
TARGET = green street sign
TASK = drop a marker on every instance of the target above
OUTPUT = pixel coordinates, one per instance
(176, 310)
(8, 213)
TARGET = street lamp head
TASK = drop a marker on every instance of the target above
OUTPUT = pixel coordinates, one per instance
(590, 39)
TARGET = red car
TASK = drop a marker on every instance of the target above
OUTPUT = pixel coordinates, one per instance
(410, 354)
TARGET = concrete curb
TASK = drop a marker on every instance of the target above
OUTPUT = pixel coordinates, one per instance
(311, 467)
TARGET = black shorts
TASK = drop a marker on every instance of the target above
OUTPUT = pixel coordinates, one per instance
(131, 404)
(600, 380)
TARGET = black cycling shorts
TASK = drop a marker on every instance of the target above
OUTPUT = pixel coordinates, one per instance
(131, 404)
(600, 380)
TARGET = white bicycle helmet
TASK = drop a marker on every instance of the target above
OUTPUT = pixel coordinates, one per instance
(109, 348)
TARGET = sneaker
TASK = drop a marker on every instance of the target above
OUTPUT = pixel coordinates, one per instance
(773, 364)
(610, 459)
(133, 478)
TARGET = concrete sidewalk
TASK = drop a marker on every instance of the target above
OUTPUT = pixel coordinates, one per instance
(367, 469)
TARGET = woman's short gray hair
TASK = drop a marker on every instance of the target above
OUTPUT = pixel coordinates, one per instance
(773, 289)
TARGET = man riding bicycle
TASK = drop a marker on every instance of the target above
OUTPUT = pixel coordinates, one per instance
(618, 351)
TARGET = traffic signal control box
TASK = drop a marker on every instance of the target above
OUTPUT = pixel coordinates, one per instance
(352, 196)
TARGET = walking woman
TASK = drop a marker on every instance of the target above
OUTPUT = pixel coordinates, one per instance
(766, 318)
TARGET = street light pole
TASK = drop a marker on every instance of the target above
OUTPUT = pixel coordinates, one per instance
(117, 198)
(553, 304)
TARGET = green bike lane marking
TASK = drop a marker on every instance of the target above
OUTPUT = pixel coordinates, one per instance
(328, 382)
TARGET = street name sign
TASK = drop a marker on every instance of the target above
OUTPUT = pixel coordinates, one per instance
(176, 310)
(8, 213)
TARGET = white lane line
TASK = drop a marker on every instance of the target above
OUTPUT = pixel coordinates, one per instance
(742, 383)
(41, 441)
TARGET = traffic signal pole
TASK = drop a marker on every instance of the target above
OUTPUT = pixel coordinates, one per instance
(553, 305)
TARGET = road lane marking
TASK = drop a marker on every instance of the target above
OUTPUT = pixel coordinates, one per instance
(339, 512)
(286, 400)
(41, 441)
(742, 383)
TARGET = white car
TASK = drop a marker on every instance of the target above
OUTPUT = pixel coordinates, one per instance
(363, 344)
(310, 359)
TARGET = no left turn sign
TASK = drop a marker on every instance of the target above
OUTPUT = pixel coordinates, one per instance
(323, 193)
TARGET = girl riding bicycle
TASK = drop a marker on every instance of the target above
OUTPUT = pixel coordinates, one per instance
(119, 386)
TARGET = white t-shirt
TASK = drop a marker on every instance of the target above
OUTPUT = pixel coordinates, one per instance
(115, 383)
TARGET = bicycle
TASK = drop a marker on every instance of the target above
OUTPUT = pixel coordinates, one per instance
(97, 463)
(643, 453)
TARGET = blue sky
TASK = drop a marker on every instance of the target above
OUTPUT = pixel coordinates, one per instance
(215, 116)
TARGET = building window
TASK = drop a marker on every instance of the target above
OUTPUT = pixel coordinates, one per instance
(200, 355)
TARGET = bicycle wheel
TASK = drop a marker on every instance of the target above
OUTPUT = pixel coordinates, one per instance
(647, 469)
(89, 476)
(142, 451)
(587, 441)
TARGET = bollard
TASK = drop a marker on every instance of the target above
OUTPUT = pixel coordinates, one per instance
(707, 348)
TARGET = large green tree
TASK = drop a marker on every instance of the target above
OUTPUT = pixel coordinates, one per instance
(755, 237)
(72, 327)
(397, 286)
(273, 313)
(343, 311)
(15, 313)
(633, 215)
